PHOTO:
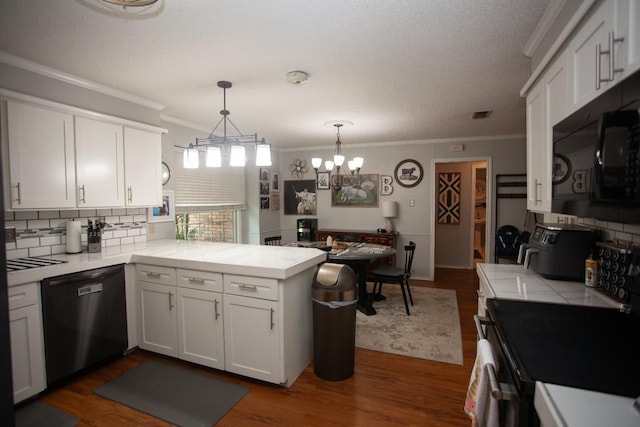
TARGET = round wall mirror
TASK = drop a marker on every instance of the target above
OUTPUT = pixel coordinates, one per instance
(166, 173)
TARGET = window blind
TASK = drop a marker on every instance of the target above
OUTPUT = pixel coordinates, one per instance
(206, 189)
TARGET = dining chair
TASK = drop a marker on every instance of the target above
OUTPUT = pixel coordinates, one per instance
(273, 241)
(392, 274)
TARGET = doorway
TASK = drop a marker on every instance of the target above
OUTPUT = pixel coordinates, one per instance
(467, 240)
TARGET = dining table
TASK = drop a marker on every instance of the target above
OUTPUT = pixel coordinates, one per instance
(356, 255)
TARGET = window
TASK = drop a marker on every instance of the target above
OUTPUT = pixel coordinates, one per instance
(208, 201)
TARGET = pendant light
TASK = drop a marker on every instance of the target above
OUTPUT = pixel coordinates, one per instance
(234, 144)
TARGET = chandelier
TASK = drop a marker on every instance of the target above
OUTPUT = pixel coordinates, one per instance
(234, 144)
(354, 165)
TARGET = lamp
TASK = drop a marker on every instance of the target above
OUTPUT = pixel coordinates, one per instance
(233, 143)
(338, 160)
(389, 210)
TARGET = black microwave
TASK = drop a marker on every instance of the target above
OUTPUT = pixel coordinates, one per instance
(596, 157)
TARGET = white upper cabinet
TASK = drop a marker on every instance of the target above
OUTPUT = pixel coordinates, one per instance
(41, 157)
(60, 157)
(627, 56)
(547, 104)
(99, 164)
(589, 56)
(143, 167)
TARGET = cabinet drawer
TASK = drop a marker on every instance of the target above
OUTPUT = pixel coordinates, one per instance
(256, 287)
(23, 295)
(156, 274)
(203, 280)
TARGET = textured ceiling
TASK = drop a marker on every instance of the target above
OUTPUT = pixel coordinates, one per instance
(398, 69)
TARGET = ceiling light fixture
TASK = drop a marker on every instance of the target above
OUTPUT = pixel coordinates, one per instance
(214, 144)
(338, 160)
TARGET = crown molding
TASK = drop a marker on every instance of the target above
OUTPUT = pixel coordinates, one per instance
(77, 81)
(549, 16)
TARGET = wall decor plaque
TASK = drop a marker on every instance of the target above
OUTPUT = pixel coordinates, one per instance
(408, 173)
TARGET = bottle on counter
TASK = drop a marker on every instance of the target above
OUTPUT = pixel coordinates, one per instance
(329, 241)
(591, 272)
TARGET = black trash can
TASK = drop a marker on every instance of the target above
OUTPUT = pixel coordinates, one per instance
(335, 296)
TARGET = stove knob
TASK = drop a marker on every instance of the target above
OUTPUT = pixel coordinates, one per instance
(622, 293)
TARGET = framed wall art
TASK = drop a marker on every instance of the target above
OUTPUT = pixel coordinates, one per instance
(449, 198)
(300, 197)
(359, 192)
(323, 180)
(165, 211)
(275, 185)
(408, 173)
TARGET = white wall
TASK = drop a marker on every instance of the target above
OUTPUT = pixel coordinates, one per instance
(508, 155)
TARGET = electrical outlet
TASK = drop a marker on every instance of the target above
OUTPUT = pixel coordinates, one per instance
(10, 235)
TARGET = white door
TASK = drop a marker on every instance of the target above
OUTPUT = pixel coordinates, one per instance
(99, 164)
(252, 338)
(41, 157)
(157, 318)
(200, 327)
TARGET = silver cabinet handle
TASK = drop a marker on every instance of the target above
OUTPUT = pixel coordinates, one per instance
(18, 188)
(130, 194)
(246, 287)
(195, 280)
(598, 65)
(612, 63)
(272, 324)
(535, 196)
(82, 192)
(152, 274)
(170, 301)
(215, 309)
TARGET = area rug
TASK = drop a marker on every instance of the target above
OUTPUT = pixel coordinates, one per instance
(38, 414)
(432, 331)
(173, 394)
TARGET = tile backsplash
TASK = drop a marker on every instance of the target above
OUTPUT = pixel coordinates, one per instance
(40, 233)
(626, 233)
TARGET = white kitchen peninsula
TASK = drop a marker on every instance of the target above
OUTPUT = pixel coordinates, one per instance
(268, 285)
(557, 405)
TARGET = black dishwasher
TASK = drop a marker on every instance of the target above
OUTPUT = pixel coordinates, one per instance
(85, 323)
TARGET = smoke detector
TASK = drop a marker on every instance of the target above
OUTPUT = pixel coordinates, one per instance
(297, 77)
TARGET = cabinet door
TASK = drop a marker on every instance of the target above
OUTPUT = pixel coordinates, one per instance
(252, 338)
(627, 54)
(99, 164)
(27, 360)
(538, 177)
(157, 318)
(143, 168)
(585, 64)
(41, 157)
(200, 327)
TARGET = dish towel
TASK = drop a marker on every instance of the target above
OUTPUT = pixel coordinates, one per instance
(479, 405)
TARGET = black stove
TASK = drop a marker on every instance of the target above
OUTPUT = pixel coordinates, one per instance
(31, 262)
(591, 348)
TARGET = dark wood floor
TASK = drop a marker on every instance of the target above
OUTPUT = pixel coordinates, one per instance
(386, 389)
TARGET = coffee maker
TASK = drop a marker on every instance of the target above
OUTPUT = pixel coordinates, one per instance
(307, 228)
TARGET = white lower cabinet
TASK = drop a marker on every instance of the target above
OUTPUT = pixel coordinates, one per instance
(27, 344)
(253, 326)
(200, 327)
(252, 338)
(157, 315)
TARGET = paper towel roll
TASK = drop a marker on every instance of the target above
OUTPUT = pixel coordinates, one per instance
(74, 237)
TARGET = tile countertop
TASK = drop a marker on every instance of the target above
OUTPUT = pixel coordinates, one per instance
(277, 262)
(513, 281)
(558, 405)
